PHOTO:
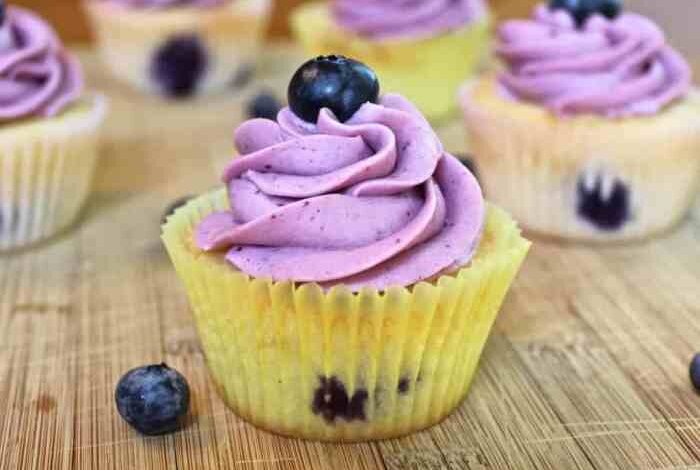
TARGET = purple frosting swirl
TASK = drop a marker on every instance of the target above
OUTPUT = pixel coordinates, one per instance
(614, 68)
(157, 4)
(371, 202)
(37, 76)
(396, 18)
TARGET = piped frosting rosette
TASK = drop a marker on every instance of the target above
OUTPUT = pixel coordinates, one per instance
(374, 201)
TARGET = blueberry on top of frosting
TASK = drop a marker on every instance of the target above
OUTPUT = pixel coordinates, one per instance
(335, 82)
(581, 10)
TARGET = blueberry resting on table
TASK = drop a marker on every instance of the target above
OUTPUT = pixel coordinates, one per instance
(343, 85)
(264, 105)
(581, 10)
(153, 399)
(695, 372)
(179, 65)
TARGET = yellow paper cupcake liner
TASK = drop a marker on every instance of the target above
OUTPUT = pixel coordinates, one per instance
(46, 170)
(128, 39)
(541, 168)
(339, 366)
(428, 71)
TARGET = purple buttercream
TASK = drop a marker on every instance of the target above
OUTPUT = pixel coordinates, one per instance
(37, 76)
(371, 202)
(614, 68)
(406, 18)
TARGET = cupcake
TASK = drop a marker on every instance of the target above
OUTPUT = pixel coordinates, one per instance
(50, 130)
(345, 281)
(178, 48)
(423, 50)
(592, 131)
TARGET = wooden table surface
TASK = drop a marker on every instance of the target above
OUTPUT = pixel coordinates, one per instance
(587, 367)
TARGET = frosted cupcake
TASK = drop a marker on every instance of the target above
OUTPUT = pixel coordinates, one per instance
(593, 130)
(346, 280)
(49, 136)
(423, 50)
(178, 48)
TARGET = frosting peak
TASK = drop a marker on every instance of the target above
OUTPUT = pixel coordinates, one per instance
(396, 18)
(37, 76)
(615, 68)
(374, 201)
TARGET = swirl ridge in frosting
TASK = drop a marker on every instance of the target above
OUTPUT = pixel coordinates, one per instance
(396, 18)
(374, 201)
(37, 76)
(615, 68)
(160, 4)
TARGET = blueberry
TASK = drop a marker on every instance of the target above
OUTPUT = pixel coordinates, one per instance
(581, 10)
(695, 372)
(153, 399)
(264, 105)
(334, 82)
(331, 401)
(606, 213)
(179, 65)
(173, 206)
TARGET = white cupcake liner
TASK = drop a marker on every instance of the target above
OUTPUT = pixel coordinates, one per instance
(533, 163)
(46, 170)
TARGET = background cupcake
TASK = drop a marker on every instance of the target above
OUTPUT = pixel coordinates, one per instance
(49, 137)
(178, 47)
(593, 130)
(423, 50)
(345, 283)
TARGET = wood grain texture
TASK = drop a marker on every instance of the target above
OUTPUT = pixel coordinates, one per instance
(587, 367)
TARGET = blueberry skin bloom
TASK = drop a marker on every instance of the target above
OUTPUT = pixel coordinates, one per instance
(153, 399)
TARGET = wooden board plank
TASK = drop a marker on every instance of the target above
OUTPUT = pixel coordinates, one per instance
(587, 368)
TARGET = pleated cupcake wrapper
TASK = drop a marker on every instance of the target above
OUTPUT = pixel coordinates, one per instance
(427, 71)
(339, 366)
(129, 39)
(46, 170)
(532, 163)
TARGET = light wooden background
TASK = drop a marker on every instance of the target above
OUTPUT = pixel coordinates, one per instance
(586, 369)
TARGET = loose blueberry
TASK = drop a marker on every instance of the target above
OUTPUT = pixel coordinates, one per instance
(606, 213)
(469, 163)
(179, 65)
(173, 206)
(265, 105)
(581, 10)
(153, 399)
(695, 372)
(343, 85)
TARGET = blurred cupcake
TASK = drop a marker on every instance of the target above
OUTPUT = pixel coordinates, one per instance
(423, 50)
(178, 48)
(346, 281)
(593, 131)
(49, 137)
